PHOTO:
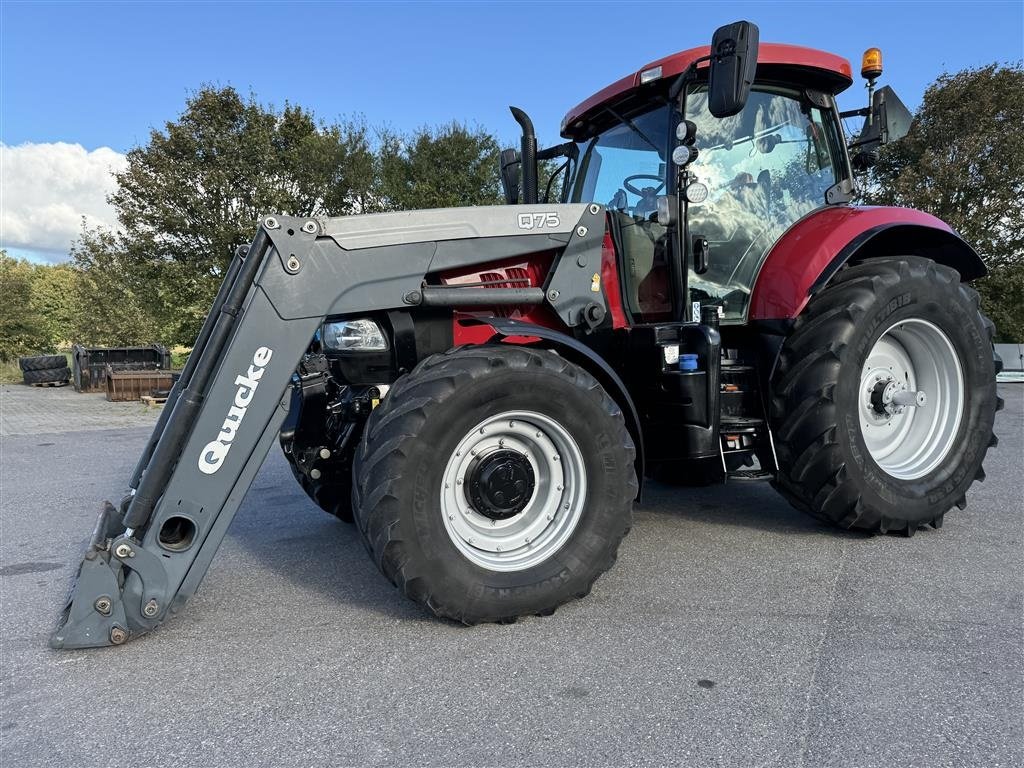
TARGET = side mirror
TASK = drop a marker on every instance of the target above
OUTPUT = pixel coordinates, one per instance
(510, 175)
(888, 120)
(733, 67)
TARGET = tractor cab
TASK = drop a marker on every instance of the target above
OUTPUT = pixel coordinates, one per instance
(754, 173)
(702, 162)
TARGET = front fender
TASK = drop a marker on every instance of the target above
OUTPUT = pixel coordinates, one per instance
(806, 257)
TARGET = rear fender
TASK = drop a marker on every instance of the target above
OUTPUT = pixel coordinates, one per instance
(814, 249)
(517, 332)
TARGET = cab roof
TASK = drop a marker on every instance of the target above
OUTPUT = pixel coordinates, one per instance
(806, 66)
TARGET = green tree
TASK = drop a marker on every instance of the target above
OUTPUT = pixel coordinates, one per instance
(963, 161)
(438, 168)
(22, 330)
(54, 288)
(194, 193)
(114, 293)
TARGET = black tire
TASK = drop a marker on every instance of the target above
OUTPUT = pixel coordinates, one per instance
(825, 466)
(48, 376)
(408, 441)
(42, 362)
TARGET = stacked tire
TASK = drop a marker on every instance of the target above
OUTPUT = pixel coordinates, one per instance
(45, 369)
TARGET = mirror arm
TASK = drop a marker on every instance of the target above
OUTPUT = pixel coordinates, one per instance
(686, 75)
(862, 112)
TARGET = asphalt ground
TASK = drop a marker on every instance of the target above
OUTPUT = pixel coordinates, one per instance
(733, 631)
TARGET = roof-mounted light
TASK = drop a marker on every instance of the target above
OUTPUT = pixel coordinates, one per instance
(650, 75)
(871, 64)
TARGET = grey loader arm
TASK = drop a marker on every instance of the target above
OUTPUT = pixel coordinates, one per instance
(148, 557)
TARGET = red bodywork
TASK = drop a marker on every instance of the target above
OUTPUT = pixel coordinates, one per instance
(806, 250)
(528, 273)
(831, 72)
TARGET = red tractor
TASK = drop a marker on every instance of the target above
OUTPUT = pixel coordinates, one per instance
(486, 388)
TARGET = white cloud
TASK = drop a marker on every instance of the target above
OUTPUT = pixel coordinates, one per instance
(46, 190)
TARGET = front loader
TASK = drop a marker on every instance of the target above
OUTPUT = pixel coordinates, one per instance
(482, 390)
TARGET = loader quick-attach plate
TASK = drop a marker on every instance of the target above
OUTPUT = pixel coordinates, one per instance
(227, 407)
(94, 614)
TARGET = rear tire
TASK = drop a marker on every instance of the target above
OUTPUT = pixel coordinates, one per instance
(849, 454)
(42, 362)
(557, 483)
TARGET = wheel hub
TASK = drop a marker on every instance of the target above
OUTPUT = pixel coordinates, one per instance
(500, 484)
(911, 398)
(513, 490)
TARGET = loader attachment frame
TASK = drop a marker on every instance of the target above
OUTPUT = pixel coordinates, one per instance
(148, 557)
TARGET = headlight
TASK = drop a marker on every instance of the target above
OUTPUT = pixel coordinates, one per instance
(363, 335)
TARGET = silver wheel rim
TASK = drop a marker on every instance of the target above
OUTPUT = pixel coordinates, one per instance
(911, 399)
(553, 510)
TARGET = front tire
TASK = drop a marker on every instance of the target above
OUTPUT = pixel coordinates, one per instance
(494, 482)
(884, 397)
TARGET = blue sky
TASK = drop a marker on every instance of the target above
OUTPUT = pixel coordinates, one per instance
(103, 74)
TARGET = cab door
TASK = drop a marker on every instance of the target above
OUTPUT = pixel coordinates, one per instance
(765, 168)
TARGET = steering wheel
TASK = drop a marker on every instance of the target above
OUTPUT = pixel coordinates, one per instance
(641, 193)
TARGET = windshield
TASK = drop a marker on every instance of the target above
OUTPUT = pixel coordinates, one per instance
(765, 168)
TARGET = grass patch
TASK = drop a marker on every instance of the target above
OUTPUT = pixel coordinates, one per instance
(10, 373)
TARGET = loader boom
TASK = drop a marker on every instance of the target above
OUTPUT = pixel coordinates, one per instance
(233, 395)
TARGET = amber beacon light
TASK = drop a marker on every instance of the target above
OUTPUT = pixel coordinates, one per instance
(871, 64)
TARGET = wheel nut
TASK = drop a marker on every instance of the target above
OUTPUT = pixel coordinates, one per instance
(117, 635)
(102, 605)
(150, 609)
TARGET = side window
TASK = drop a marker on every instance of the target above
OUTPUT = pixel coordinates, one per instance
(624, 168)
